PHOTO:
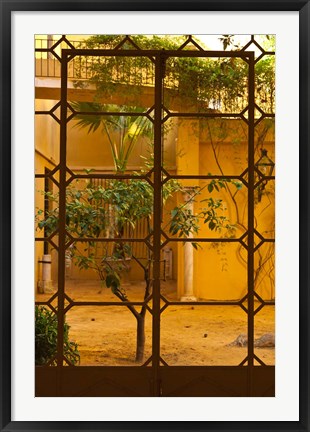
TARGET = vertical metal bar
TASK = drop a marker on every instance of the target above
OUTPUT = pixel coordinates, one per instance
(62, 214)
(157, 223)
(251, 180)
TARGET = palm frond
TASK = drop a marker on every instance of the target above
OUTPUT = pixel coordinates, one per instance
(128, 127)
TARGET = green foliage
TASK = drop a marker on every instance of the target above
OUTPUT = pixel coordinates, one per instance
(228, 41)
(265, 83)
(104, 210)
(219, 83)
(88, 214)
(122, 131)
(87, 209)
(184, 222)
(46, 339)
(216, 184)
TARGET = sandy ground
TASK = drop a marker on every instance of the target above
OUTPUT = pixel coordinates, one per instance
(190, 335)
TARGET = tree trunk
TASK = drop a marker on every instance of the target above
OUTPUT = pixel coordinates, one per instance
(140, 337)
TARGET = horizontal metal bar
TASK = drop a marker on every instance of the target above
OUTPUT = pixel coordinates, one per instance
(148, 53)
(203, 303)
(43, 49)
(109, 240)
(269, 115)
(108, 113)
(93, 303)
(99, 176)
(201, 114)
(109, 176)
(207, 177)
(169, 303)
(145, 240)
(43, 112)
(263, 178)
(203, 240)
(42, 175)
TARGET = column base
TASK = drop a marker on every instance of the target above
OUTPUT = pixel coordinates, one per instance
(188, 299)
(46, 287)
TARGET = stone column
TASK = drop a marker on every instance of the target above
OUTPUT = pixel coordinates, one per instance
(188, 294)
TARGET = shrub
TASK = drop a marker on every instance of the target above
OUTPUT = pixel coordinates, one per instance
(46, 339)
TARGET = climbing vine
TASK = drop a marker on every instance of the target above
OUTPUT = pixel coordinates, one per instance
(215, 83)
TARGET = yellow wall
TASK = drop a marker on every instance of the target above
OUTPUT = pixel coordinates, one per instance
(220, 268)
(40, 164)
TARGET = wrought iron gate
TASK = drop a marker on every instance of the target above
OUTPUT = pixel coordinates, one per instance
(156, 377)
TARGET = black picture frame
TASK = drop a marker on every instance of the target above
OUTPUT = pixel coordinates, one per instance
(6, 9)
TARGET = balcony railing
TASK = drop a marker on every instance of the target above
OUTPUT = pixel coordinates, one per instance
(82, 67)
(211, 89)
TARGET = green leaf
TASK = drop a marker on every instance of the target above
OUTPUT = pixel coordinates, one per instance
(210, 187)
(112, 281)
(212, 225)
(46, 329)
(174, 212)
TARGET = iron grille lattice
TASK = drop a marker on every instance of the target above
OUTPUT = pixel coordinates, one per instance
(252, 114)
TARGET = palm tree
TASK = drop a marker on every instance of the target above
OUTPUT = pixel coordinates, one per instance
(123, 131)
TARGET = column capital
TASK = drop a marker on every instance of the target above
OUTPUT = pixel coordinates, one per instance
(188, 192)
